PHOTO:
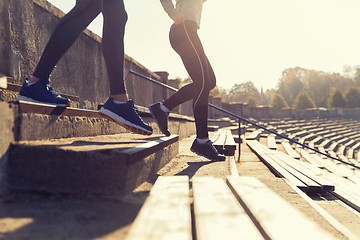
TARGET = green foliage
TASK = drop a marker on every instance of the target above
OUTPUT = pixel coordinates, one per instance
(352, 97)
(251, 102)
(291, 83)
(303, 101)
(317, 84)
(336, 100)
(243, 91)
(278, 101)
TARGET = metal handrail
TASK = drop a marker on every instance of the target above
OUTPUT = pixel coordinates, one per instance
(250, 122)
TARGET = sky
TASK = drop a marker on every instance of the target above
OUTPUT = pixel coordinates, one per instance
(248, 40)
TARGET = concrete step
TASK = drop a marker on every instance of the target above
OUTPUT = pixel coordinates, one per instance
(41, 122)
(111, 165)
(10, 90)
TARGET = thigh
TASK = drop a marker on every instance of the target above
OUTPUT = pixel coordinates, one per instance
(113, 8)
(84, 5)
(188, 45)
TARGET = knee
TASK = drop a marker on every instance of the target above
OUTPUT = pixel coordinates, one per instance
(89, 5)
(212, 83)
(115, 10)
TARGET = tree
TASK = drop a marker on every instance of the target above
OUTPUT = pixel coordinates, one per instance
(215, 92)
(278, 101)
(352, 98)
(251, 102)
(336, 100)
(291, 83)
(317, 84)
(241, 92)
(303, 101)
(357, 76)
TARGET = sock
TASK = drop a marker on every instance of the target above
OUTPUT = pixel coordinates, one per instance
(29, 84)
(162, 107)
(202, 141)
(117, 102)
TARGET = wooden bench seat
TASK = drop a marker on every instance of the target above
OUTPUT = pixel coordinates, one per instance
(254, 135)
(271, 142)
(224, 142)
(285, 166)
(238, 208)
(288, 148)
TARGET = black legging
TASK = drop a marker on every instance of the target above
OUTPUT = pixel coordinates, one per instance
(185, 41)
(71, 26)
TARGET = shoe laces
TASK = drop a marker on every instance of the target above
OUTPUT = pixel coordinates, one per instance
(48, 88)
(131, 101)
(51, 90)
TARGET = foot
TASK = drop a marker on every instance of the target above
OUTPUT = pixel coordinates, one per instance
(207, 150)
(160, 117)
(126, 115)
(41, 92)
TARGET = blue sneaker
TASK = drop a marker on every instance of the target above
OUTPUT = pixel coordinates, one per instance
(41, 92)
(126, 115)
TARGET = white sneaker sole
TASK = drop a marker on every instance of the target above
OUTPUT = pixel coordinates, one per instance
(27, 99)
(121, 121)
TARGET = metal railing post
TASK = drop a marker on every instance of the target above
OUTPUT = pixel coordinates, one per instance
(239, 140)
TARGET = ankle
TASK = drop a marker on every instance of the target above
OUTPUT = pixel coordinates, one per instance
(202, 140)
(165, 109)
(120, 97)
(33, 80)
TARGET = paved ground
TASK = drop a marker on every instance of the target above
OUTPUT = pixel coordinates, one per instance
(36, 216)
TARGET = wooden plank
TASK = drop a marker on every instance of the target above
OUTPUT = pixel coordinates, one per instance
(213, 128)
(217, 213)
(296, 165)
(224, 142)
(271, 142)
(312, 186)
(345, 190)
(337, 168)
(274, 166)
(232, 166)
(3, 82)
(343, 186)
(275, 217)
(166, 213)
(218, 140)
(230, 145)
(290, 150)
(330, 219)
(254, 135)
(289, 164)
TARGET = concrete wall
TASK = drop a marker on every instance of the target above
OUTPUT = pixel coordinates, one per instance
(6, 137)
(25, 27)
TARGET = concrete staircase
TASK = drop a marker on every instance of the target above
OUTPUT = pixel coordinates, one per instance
(73, 151)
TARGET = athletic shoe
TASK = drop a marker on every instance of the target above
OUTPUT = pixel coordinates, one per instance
(126, 115)
(160, 117)
(207, 150)
(41, 92)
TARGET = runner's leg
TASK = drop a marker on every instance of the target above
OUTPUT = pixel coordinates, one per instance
(65, 33)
